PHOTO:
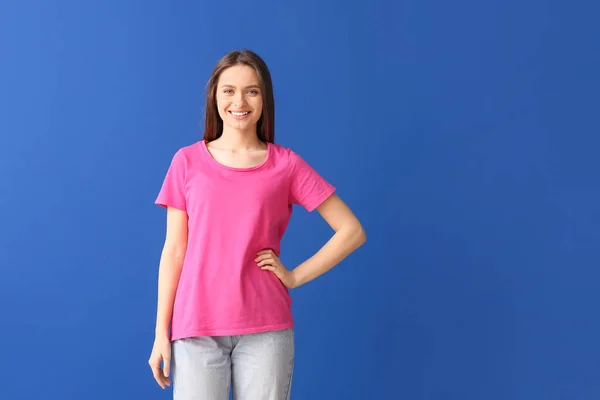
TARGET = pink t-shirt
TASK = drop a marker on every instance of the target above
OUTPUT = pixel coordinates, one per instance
(233, 213)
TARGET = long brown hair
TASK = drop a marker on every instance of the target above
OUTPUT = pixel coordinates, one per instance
(213, 126)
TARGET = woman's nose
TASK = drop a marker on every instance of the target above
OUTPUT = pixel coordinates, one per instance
(239, 100)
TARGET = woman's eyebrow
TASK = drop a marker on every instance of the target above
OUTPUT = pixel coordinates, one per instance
(247, 87)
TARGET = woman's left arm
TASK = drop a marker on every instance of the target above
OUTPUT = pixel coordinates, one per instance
(349, 235)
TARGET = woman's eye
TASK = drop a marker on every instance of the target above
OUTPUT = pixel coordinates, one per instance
(227, 91)
(253, 91)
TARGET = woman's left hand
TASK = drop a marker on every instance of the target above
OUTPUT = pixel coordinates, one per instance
(268, 261)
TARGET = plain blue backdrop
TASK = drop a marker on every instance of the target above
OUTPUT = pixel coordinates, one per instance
(464, 135)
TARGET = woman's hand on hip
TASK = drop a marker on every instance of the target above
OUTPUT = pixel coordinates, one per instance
(268, 261)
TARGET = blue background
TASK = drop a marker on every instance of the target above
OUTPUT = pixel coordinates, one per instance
(463, 134)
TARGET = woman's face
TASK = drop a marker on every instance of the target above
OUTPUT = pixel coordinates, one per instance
(239, 98)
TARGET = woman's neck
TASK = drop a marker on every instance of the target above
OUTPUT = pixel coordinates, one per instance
(239, 141)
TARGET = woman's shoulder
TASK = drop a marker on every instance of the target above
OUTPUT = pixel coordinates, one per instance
(284, 153)
(187, 150)
(191, 147)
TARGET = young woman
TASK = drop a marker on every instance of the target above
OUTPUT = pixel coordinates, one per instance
(222, 289)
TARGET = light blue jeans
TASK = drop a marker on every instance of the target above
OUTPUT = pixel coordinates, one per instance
(257, 366)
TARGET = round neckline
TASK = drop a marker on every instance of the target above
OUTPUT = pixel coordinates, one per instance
(212, 160)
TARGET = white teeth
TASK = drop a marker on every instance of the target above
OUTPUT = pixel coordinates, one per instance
(238, 114)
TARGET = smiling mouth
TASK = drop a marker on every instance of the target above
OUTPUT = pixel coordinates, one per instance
(239, 114)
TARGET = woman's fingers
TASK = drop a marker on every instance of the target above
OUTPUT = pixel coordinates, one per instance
(167, 366)
(265, 257)
(266, 262)
(160, 375)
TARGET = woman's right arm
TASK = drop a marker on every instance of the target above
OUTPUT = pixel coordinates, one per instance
(171, 262)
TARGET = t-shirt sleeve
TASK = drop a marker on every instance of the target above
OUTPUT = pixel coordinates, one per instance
(307, 187)
(172, 192)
